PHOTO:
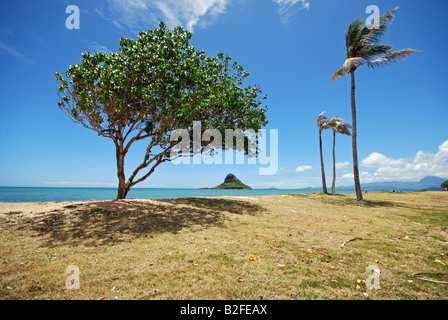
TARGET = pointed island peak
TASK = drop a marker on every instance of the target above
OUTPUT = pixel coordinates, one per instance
(231, 178)
(232, 182)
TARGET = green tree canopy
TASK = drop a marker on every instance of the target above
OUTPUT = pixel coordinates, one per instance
(445, 185)
(152, 86)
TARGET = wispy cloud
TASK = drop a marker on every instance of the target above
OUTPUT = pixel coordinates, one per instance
(287, 8)
(6, 31)
(80, 183)
(15, 53)
(142, 14)
(170, 15)
(95, 46)
(137, 15)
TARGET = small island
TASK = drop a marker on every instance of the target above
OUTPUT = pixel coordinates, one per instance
(232, 182)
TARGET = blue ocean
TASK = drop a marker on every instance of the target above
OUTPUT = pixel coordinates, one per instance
(47, 194)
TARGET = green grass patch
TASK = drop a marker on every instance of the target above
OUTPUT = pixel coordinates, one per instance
(71, 206)
(11, 213)
(200, 248)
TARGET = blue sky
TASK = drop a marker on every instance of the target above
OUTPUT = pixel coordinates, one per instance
(290, 47)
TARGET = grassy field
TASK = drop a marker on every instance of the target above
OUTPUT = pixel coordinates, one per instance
(268, 247)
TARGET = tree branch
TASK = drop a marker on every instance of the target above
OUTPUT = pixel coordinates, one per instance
(149, 173)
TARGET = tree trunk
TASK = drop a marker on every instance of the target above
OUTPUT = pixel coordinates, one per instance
(354, 146)
(333, 185)
(324, 184)
(122, 192)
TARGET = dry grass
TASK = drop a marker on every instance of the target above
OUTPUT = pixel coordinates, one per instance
(198, 248)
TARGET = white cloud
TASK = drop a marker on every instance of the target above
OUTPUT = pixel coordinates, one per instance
(347, 176)
(378, 160)
(15, 54)
(303, 168)
(142, 14)
(412, 169)
(288, 8)
(96, 47)
(341, 165)
(362, 175)
(80, 183)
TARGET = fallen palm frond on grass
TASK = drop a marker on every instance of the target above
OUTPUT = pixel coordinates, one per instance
(354, 239)
(429, 280)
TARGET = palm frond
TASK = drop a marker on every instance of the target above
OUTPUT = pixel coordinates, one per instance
(339, 125)
(353, 32)
(390, 58)
(343, 128)
(323, 122)
(376, 50)
(353, 62)
(321, 118)
(349, 64)
(340, 73)
(364, 41)
(373, 35)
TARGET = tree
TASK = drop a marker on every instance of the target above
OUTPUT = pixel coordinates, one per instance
(445, 185)
(363, 47)
(323, 123)
(153, 86)
(339, 126)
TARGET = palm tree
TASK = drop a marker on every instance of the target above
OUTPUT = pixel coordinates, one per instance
(322, 124)
(364, 48)
(339, 126)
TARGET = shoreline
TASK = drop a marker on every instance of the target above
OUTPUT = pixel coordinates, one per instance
(14, 195)
(28, 209)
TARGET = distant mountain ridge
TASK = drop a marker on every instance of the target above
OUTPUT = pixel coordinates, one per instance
(429, 183)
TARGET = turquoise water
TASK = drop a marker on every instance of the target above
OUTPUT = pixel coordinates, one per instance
(24, 194)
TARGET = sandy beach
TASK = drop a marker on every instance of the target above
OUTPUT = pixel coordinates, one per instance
(32, 209)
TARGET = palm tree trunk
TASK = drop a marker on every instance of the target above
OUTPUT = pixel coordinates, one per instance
(333, 185)
(324, 184)
(354, 145)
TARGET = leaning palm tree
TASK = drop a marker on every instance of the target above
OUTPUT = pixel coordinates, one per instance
(339, 126)
(364, 48)
(323, 123)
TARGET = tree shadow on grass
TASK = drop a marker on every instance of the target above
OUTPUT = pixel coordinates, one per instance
(343, 200)
(111, 222)
(236, 207)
